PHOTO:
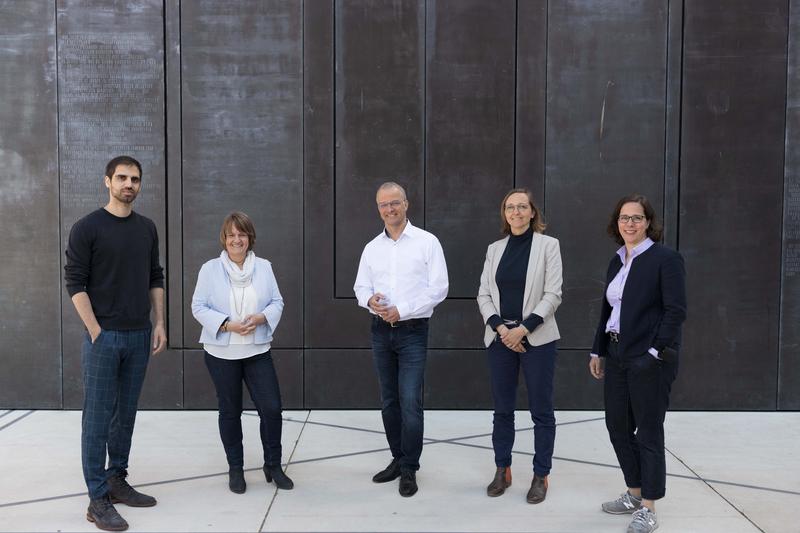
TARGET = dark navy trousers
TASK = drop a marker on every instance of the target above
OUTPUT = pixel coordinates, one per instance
(399, 354)
(258, 373)
(636, 392)
(113, 373)
(538, 367)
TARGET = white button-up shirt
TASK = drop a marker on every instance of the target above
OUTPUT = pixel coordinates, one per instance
(410, 271)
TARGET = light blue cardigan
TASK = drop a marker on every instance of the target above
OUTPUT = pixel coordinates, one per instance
(211, 301)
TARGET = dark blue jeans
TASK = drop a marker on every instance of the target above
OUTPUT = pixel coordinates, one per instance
(400, 354)
(538, 366)
(636, 393)
(258, 373)
(113, 372)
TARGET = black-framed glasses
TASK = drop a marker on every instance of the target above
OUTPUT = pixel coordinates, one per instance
(636, 219)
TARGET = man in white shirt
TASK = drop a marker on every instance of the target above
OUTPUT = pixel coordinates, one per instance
(401, 277)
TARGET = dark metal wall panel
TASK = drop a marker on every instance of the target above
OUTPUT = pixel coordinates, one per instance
(470, 58)
(176, 312)
(575, 388)
(163, 384)
(457, 379)
(378, 120)
(672, 144)
(605, 136)
(30, 288)
(329, 322)
(531, 98)
(242, 141)
(734, 93)
(342, 379)
(111, 102)
(789, 365)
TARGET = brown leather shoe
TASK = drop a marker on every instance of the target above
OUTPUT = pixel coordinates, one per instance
(538, 490)
(501, 481)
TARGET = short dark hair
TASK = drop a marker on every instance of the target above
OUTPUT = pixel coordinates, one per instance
(537, 222)
(654, 230)
(241, 222)
(122, 160)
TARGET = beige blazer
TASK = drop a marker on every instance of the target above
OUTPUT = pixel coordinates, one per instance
(542, 287)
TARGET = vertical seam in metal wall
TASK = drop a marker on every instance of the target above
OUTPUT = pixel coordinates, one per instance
(665, 187)
(425, 114)
(60, 220)
(516, 81)
(546, 79)
(783, 206)
(166, 168)
(303, 198)
(680, 130)
(334, 139)
(180, 168)
(180, 174)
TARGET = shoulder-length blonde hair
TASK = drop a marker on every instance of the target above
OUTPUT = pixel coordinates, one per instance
(537, 222)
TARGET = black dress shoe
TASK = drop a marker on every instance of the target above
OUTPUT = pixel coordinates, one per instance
(390, 473)
(121, 492)
(236, 480)
(408, 483)
(538, 490)
(501, 481)
(276, 474)
(101, 512)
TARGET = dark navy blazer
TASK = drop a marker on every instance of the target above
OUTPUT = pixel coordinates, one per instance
(653, 303)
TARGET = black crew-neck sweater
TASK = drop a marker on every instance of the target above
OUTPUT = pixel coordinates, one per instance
(115, 261)
(510, 278)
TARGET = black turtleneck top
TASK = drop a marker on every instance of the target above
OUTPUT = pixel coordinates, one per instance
(510, 278)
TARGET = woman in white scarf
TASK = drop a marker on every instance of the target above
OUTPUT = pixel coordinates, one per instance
(238, 303)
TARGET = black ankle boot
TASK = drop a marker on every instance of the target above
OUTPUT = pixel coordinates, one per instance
(275, 473)
(236, 480)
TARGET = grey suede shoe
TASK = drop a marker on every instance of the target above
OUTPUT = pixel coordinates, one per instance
(627, 503)
(644, 521)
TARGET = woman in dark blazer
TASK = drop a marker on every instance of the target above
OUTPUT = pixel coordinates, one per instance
(519, 293)
(636, 350)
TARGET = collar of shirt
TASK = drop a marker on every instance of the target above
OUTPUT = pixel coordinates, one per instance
(408, 231)
(637, 250)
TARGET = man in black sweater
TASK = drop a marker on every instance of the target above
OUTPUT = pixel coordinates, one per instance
(114, 278)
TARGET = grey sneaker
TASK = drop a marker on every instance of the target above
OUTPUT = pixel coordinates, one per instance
(625, 504)
(644, 521)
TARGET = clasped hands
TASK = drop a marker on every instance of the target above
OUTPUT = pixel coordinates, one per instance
(247, 325)
(388, 313)
(512, 338)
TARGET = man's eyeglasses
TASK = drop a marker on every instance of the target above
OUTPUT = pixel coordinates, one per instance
(519, 207)
(393, 204)
(636, 219)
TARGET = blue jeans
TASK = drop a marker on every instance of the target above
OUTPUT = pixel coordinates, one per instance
(538, 366)
(113, 373)
(258, 373)
(399, 354)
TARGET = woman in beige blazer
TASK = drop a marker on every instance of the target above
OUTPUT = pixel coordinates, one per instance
(519, 293)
